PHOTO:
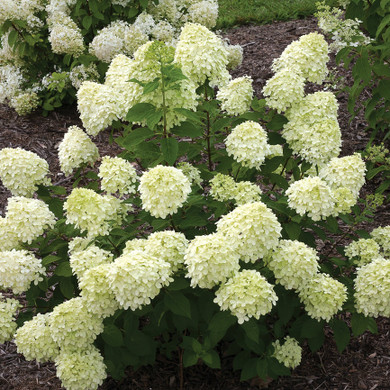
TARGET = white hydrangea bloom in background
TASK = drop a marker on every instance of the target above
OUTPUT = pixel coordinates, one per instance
(284, 89)
(204, 12)
(117, 175)
(309, 54)
(11, 80)
(22, 171)
(293, 263)
(134, 38)
(235, 55)
(72, 326)
(253, 228)
(8, 239)
(81, 73)
(348, 171)
(83, 260)
(137, 277)
(372, 288)
(192, 173)
(246, 192)
(362, 251)
(202, 55)
(317, 142)
(382, 236)
(210, 260)
(169, 246)
(75, 150)
(313, 196)
(28, 218)
(289, 353)
(247, 143)
(222, 187)
(95, 290)
(18, 269)
(34, 340)
(81, 369)
(163, 31)
(97, 106)
(24, 102)
(92, 212)
(247, 294)
(163, 190)
(323, 297)
(236, 97)
(8, 311)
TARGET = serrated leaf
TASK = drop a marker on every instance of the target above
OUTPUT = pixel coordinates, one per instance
(362, 68)
(272, 164)
(178, 303)
(277, 122)
(169, 148)
(87, 22)
(136, 137)
(293, 230)
(190, 358)
(188, 114)
(112, 335)
(249, 370)
(50, 259)
(211, 358)
(219, 325)
(187, 129)
(139, 112)
(278, 180)
(341, 334)
(63, 269)
(12, 37)
(67, 288)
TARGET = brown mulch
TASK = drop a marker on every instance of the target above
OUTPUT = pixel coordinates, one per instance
(364, 365)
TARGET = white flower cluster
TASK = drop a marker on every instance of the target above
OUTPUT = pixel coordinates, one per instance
(11, 80)
(192, 173)
(202, 55)
(163, 190)
(362, 251)
(18, 268)
(247, 294)
(83, 369)
(8, 310)
(343, 32)
(372, 288)
(75, 150)
(323, 297)
(289, 353)
(313, 196)
(24, 102)
(211, 260)
(137, 277)
(313, 130)
(8, 238)
(235, 55)
(72, 326)
(247, 143)
(22, 171)
(382, 236)
(82, 260)
(34, 339)
(92, 212)
(302, 60)
(293, 263)
(117, 175)
(28, 218)
(224, 188)
(96, 291)
(236, 97)
(252, 229)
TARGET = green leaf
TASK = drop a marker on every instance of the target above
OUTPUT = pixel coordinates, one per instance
(385, 21)
(277, 122)
(286, 307)
(251, 330)
(187, 129)
(373, 172)
(293, 230)
(169, 148)
(272, 164)
(50, 259)
(152, 86)
(362, 68)
(341, 334)
(360, 323)
(139, 112)
(311, 328)
(136, 137)
(276, 368)
(219, 325)
(178, 303)
(249, 370)
(190, 358)
(262, 368)
(383, 89)
(211, 358)
(278, 180)
(12, 37)
(87, 22)
(112, 335)
(189, 114)
(67, 287)
(63, 269)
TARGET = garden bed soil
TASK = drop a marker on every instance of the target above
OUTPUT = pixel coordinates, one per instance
(364, 365)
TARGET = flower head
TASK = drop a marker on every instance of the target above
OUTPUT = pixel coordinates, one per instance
(363, 251)
(289, 353)
(8, 310)
(382, 236)
(247, 294)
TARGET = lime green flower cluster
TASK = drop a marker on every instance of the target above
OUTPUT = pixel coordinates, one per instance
(362, 251)
(22, 171)
(8, 311)
(289, 353)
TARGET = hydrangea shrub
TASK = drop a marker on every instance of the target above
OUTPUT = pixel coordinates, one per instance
(201, 238)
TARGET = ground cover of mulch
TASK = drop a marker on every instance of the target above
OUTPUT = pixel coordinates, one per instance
(364, 365)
